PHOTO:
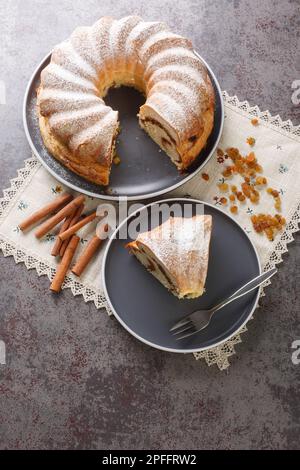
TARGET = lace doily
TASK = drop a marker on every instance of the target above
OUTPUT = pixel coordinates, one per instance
(272, 135)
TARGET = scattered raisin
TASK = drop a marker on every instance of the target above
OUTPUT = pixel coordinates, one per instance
(268, 224)
(223, 187)
(251, 159)
(251, 141)
(240, 196)
(227, 172)
(270, 233)
(205, 176)
(273, 192)
(261, 181)
(246, 189)
(251, 172)
(248, 168)
(254, 197)
(233, 153)
(277, 203)
(116, 160)
(276, 196)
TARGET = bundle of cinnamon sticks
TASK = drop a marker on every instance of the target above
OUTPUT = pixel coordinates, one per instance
(67, 210)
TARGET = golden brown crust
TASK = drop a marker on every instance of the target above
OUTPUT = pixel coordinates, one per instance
(70, 98)
(189, 154)
(89, 170)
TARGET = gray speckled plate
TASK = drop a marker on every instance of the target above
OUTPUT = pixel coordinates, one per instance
(147, 310)
(145, 170)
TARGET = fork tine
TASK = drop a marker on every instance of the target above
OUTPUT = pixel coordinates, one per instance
(181, 323)
(180, 330)
(187, 335)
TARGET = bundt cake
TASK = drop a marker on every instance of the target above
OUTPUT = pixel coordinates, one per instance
(176, 253)
(80, 130)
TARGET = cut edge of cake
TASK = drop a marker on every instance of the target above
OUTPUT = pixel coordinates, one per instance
(181, 269)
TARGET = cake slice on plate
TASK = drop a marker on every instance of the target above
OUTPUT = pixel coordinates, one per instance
(176, 253)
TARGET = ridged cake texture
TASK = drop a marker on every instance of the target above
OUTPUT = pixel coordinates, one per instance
(77, 126)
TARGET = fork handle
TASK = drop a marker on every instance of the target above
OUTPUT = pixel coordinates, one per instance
(245, 289)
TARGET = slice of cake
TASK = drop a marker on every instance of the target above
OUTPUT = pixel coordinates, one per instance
(176, 253)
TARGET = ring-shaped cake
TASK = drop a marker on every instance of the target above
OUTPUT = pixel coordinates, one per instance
(80, 130)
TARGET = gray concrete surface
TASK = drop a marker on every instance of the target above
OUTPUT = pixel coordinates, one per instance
(74, 378)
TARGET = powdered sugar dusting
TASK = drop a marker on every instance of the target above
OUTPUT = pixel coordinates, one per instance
(190, 101)
(140, 34)
(91, 60)
(181, 245)
(66, 55)
(171, 110)
(187, 75)
(119, 32)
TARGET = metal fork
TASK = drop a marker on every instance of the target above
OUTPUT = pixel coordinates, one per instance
(200, 319)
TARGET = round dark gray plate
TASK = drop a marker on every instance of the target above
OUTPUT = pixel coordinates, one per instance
(146, 308)
(145, 170)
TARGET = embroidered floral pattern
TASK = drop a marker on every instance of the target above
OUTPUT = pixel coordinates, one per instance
(283, 168)
(50, 237)
(222, 180)
(22, 205)
(57, 189)
(217, 201)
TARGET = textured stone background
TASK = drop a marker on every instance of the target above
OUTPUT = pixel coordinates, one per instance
(74, 378)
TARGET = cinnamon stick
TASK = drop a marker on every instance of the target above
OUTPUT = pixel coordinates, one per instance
(64, 264)
(58, 243)
(70, 231)
(46, 210)
(74, 219)
(64, 212)
(88, 253)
